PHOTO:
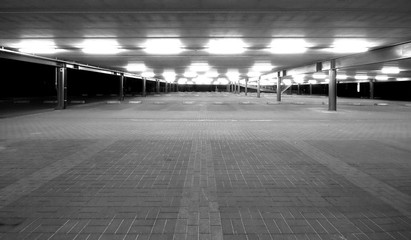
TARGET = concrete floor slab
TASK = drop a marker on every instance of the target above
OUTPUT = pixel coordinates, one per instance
(208, 171)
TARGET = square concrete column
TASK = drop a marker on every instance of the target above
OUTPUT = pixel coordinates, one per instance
(121, 86)
(144, 87)
(61, 87)
(279, 79)
(246, 86)
(332, 90)
(258, 87)
(372, 88)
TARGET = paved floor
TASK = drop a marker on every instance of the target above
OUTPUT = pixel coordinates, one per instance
(208, 166)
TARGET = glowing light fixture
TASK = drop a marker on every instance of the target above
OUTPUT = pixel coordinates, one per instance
(381, 77)
(312, 81)
(226, 46)
(319, 75)
(199, 67)
(349, 46)
(212, 74)
(190, 74)
(287, 81)
(390, 70)
(361, 77)
(222, 81)
(100, 46)
(299, 78)
(232, 74)
(169, 75)
(341, 76)
(136, 67)
(288, 46)
(262, 67)
(148, 74)
(38, 47)
(163, 46)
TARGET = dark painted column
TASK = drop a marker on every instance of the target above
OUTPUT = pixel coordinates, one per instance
(121, 92)
(144, 87)
(332, 89)
(61, 86)
(279, 87)
(258, 87)
(372, 88)
(246, 86)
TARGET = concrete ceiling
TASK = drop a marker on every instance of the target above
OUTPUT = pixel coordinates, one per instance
(131, 23)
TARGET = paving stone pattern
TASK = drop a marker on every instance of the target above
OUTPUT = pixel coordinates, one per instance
(212, 166)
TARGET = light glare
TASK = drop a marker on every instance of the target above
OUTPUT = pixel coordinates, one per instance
(100, 46)
(288, 46)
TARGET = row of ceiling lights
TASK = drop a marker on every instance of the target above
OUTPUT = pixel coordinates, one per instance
(175, 46)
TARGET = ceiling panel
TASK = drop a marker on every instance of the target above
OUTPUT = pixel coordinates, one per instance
(131, 23)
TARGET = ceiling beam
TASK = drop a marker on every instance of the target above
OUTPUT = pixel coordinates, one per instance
(382, 55)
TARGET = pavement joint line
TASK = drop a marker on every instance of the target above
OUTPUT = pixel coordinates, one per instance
(30, 183)
(379, 189)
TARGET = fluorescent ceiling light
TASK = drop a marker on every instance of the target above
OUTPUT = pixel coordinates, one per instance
(190, 74)
(100, 46)
(390, 70)
(312, 81)
(262, 67)
(349, 46)
(202, 80)
(341, 76)
(361, 77)
(169, 75)
(182, 81)
(232, 74)
(148, 74)
(163, 46)
(136, 67)
(199, 67)
(381, 77)
(222, 81)
(226, 46)
(319, 75)
(38, 47)
(288, 46)
(212, 74)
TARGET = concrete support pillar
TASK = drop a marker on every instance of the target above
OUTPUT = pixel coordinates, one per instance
(121, 92)
(332, 90)
(372, 88)
(61, 87)
(144, 87)
(258, 87)
(166, 87)
(298, 89)
(158, 86)
(246, 86)
(238, 87)
(228, 87)
(279, 79)
(311, 89)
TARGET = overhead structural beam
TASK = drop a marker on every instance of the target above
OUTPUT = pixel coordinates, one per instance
(25, 57)
(394, 53)
(387, 54)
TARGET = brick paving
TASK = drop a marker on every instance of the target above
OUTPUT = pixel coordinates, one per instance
(208, 166)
